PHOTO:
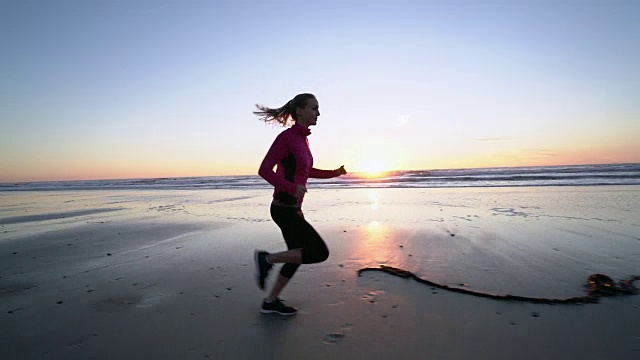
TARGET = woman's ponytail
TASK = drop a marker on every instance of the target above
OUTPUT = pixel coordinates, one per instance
(282, 114)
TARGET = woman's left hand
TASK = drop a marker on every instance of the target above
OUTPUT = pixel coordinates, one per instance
(341, 170)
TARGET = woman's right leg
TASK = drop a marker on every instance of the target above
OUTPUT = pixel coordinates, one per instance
(281, 282)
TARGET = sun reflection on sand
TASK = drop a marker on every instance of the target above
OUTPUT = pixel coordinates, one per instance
(376, 239)
(374, 199)
(376, 244)
(374, 228)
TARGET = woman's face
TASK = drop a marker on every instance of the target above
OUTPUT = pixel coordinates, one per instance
(308, 115)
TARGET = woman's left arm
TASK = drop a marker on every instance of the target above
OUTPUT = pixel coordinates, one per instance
(326, 174)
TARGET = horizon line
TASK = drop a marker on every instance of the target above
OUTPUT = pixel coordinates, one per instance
(351, 172)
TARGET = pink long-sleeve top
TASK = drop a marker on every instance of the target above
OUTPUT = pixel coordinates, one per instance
(291, 156)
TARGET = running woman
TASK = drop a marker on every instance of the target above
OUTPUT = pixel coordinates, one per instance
(291, 156)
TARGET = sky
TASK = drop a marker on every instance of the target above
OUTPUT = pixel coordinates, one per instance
(137, 89)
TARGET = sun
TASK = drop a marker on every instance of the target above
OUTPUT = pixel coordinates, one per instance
(372, 168)
(374, 157)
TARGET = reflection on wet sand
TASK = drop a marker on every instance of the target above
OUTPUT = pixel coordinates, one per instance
(374, 199)
(376, 244)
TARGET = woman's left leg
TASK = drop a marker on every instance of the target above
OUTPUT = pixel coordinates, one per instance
(293, 256)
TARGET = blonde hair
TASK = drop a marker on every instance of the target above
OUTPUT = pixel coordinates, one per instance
(282, 114)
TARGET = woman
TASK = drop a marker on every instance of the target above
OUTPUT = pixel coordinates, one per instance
(292, 158)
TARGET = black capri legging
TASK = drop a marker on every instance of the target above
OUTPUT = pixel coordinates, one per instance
(298, 234)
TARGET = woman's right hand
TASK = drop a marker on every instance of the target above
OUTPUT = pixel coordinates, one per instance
(300, 190)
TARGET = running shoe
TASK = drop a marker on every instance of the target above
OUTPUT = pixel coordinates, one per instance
(277, 306)
(262, 267)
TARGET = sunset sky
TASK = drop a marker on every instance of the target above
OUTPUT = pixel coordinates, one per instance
(95, 89)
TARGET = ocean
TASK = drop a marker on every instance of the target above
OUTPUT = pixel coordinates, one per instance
(573, 175)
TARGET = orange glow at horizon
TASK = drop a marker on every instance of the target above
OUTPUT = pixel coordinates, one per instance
(370, 159)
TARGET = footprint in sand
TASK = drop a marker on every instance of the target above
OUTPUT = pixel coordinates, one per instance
(338, 336)
(333, 338)
(81, 341)
(150, 301)
(116, 304)
(372, 296)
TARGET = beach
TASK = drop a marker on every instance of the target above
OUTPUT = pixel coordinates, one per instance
(169, 274)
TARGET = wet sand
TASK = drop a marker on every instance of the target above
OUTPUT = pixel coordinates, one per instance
(169, 274)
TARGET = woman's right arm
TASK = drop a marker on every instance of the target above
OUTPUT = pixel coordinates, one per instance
(276, 153)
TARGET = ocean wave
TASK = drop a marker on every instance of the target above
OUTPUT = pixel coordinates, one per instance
(577, 175)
